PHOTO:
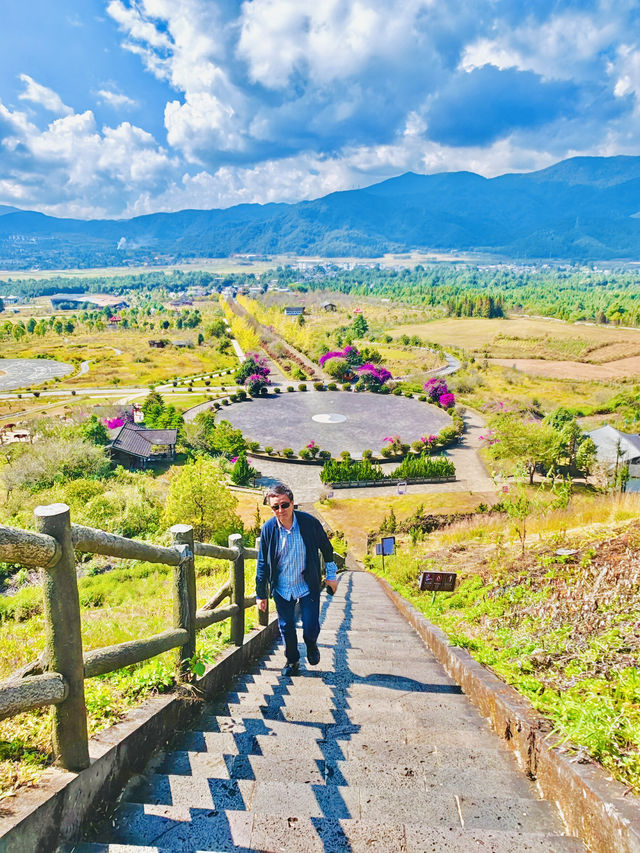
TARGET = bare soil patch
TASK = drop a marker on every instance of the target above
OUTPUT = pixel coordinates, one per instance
(622, 368)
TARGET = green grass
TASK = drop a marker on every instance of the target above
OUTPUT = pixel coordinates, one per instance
(130, 602)
(561, 630)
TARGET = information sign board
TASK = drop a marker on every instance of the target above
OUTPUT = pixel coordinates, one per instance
(437, 581)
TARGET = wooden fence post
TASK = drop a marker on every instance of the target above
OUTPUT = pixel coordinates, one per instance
(236, 579)
(263, 615)
(184, 596)
(64, 639)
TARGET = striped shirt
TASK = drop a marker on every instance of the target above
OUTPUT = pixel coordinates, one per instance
(291, 560)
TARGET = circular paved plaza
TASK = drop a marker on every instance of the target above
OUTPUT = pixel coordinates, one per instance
(21, 372)
(335, 420)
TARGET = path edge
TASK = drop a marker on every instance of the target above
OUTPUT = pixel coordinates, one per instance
(62, 803)
(593, 806)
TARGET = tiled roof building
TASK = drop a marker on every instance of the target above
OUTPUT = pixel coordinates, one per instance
(137, 447)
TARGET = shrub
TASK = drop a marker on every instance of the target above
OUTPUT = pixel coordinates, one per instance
(216, 405)
(324, 454)
(242, 473)
(367, 454)
(253, 446)
(350, 469)
(425, 466)
(302, 386)
(422, 398)
(305, 453)
(397, 391)
(359, 386)
(344, 455)
(288, 452)
(268, 449)
(290, 388)
(225, 401)
(346, 386)
(319, 386)
(276, 390)
(241, 394)
(332, 386)
(387, 452)
(408, 394)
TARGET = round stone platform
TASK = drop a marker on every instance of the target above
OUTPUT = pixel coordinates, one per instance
(335, 420)
(22, 372)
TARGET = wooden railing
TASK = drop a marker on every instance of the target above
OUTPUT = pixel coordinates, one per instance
(58, 677)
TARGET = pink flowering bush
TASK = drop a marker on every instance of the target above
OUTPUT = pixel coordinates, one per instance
(437, 392)
(373, 377)
(113, 423)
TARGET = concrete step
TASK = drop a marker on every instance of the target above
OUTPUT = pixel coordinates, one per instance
(178, 828)
(286, 799)
(375, 749)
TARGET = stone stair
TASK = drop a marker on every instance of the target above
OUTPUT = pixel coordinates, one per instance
(375, 749)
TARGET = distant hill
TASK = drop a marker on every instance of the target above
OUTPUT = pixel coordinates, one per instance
(584, 208)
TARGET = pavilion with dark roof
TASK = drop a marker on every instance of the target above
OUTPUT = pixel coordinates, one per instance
(136, 447)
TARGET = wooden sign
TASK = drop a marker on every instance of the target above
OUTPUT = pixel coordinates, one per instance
(437, 581)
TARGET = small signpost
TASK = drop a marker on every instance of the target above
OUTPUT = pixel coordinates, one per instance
(437, 582)
(386, 548)
(402, 487)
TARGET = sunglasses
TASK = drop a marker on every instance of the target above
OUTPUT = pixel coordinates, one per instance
(285, 505)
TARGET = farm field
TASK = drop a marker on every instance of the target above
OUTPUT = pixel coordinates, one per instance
(619, 369)
(523, 337)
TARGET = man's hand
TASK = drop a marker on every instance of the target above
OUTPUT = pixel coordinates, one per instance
(261, 604)
(333, 585)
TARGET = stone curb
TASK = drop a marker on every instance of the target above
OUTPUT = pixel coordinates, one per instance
(593, 806)
(57, 809)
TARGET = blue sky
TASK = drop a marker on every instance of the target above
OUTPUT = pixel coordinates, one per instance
(112, 108)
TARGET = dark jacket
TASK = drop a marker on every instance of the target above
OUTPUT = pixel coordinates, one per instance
(314, 538)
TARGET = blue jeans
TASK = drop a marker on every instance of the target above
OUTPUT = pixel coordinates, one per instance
(310, 612)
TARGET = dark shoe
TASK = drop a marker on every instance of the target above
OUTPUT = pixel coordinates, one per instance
(291, 668)
(313, 655)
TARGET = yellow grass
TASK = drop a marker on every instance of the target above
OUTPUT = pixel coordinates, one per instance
(355, 517)
(585, 512)
(519, 337)
(137, 364)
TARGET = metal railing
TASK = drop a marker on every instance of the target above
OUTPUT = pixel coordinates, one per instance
(57, 679)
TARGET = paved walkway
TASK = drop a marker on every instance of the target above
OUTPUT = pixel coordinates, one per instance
(470, 472)
(374, 750)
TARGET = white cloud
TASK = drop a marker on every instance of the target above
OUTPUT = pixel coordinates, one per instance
(47, 98)
(72, 167)
(116, 99)
(276, 100)
(626, 70)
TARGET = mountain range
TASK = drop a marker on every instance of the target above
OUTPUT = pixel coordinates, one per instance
(583, 208)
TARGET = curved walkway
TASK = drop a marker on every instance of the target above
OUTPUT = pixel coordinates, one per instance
(377, 749)
(471, 475)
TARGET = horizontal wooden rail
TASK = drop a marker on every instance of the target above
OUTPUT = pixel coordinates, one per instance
(221, 552)
(204, 618)
(52, 549)
(93, 541)
(111, 658)
(218, 552)
(28, 548)
(33, 692)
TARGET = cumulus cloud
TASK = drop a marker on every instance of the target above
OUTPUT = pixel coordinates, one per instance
(39, 94)
(116, 99)
(73, 167)
(273, 100)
